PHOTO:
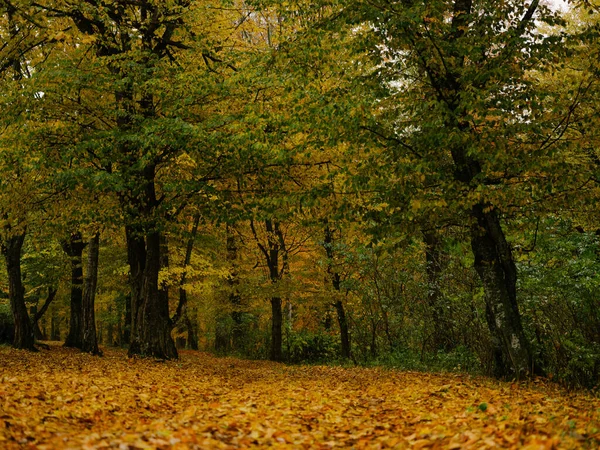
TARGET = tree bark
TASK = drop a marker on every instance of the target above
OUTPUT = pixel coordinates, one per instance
(37, 333)
(493, 258)
(442, 328)
(164, 264)
(495, 266)
(274, 243)
(276, 353)
(191, 327)
(23, 337)
(74, 249)
(151, 334)
(126, 339)
(274, 246)
(182, 307)
(89, 339)
(54, 326)
(235, 299)
(336, 283)
(344, 331)
(38, 314)
(136, 258)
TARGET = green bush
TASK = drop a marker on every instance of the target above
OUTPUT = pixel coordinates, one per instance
(310, 347)
(460, 359)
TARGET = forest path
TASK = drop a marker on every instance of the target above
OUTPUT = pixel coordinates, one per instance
(60, 398)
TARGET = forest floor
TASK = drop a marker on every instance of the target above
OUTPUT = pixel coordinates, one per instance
(60, 398)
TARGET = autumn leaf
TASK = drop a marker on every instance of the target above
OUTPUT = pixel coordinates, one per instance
(63, 399)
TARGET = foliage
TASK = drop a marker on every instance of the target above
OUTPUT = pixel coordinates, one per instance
(309, 347)
(560, 287)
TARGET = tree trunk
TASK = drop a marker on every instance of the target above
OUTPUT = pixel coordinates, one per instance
(126, 339)
(89, 341)
(55, 326)
(274, 240)
(336, 283)
(442, 338)
(151, 334)
(110, 328)
(182, 307)
(136, 258)
(74, 249)
(496, 268)
(276, 353)
(344, 332)
(35, 317)
(235, 299)
(164, 264)
(222, 341)
(37, 333)
(192, 329)
(23, 337)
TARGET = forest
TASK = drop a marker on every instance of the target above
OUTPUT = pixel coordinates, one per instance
(409, 184)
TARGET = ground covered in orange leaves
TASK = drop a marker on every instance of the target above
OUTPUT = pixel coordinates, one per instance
(59, 398)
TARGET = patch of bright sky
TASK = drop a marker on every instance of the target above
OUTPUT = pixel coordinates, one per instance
(557, 4)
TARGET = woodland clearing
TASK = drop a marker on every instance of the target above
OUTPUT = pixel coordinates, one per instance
(60, 398)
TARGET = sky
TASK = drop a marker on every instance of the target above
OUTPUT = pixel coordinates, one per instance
(558, 4)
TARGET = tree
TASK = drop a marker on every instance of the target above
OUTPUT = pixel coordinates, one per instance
(144, 114)
(19, 54)
(74, 249)
(89, 343)
(335, 279)
(461, 121)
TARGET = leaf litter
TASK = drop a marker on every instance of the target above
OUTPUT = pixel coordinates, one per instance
(64, 399)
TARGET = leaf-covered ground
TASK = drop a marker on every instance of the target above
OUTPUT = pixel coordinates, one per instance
(59, 398)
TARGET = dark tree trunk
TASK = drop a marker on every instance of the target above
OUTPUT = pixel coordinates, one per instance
(152, 325)
(442, 328)
(191, 326)
(192, 330)
(151, 334)
(55, 326)
(222, 341)
(274, 237)
(235, 299)
(336, 283)
(136, 257)
(274, 247)
(373, 338)
(89, 341)
(44, 327)
(276, 353)
(23, 337)
(110, 329)
(182, 312)
(127, 328)
(344, 332)
(497, 271)
(495, 266)
(37, 315)
(164, 264)
(74, 249)
(37, 333)
(493, 259)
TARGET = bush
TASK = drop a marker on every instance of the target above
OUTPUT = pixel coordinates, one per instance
(310, 347)
(461, 359)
